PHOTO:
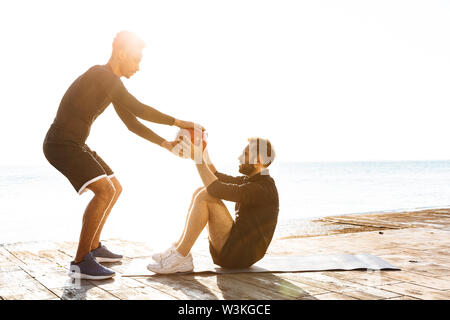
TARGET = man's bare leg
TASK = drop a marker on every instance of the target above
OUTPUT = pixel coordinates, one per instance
(206, 210)
(118, 188)
(196, 192)
(104, 193)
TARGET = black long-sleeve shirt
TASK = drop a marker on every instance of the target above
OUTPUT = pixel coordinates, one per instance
(257, 207)
(91, 93)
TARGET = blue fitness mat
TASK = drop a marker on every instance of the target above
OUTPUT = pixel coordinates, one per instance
(278, 264)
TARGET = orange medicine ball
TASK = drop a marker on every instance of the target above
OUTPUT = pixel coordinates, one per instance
(196, 136)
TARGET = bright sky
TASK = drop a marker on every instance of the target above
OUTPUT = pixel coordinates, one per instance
(323, 80)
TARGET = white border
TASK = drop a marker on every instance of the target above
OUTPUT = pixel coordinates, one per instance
(91, 181)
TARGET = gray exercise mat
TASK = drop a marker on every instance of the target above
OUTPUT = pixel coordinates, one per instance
(278, 264)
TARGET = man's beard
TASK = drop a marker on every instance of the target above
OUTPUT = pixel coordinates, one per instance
(247, 169)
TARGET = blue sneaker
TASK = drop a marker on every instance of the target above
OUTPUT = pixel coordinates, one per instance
(102, 254)
(89, 269)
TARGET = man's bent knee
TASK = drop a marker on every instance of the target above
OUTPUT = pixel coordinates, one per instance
(103, 188)
(203, 195)
(108, 193)
(117, 186)
(198, 190)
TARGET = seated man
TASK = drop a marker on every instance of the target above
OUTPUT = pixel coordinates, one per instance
(233, 244)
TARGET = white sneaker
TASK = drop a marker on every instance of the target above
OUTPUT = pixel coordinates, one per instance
(173, 263)
(162, 255)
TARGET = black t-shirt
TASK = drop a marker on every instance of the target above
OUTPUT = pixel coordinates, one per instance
(257, 207)
(91, 93)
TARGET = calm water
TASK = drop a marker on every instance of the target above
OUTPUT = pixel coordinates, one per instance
(37, 203)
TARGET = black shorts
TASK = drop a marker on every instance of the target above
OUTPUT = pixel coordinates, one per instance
(77, 162)
(234, 253)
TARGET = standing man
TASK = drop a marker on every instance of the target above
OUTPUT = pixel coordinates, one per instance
(64, 146)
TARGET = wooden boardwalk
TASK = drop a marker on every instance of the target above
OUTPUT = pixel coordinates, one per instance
(417, 242)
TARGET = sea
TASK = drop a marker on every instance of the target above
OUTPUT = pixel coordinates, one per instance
(37, 203)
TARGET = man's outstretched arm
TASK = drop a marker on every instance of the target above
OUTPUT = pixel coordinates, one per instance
(139, 129)
(205, 174)
(245, 193)
(124, 100)
(222, 177)
(207, 160)
(209, 174)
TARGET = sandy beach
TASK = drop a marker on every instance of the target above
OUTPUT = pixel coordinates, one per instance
(416, 242)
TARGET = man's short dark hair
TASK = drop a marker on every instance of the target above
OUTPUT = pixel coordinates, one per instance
(128, 41)
(263, 148)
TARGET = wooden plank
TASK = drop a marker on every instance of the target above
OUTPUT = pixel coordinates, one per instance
(231, 289)
(429, 251)
(28, 257)
(277, 288)
(403, 298)
(430, 269)
(49, 277)
(281, 288)
(9, 269)
(418, 263)
(189, 286)
(405, 217)
(52, 274)
(8, 261)
(117, 283)
(233, 284)
(301, 278)
(68, 247)
(118, 267)
(145, 293)
(30, 291)
(333, 296)
(328, 245)
(310, 289)
(57, 257)
(425, 281)
(444, 211)
(366, 222)
(416, 291)
(185, 288)
(331, 281)
(369, 293)
(83, 291)
(365, 278)
(62, 286)
(129, 249)
(56, 278)
(353, 289)
(18, 285)
(206, 280)
(13, 278)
